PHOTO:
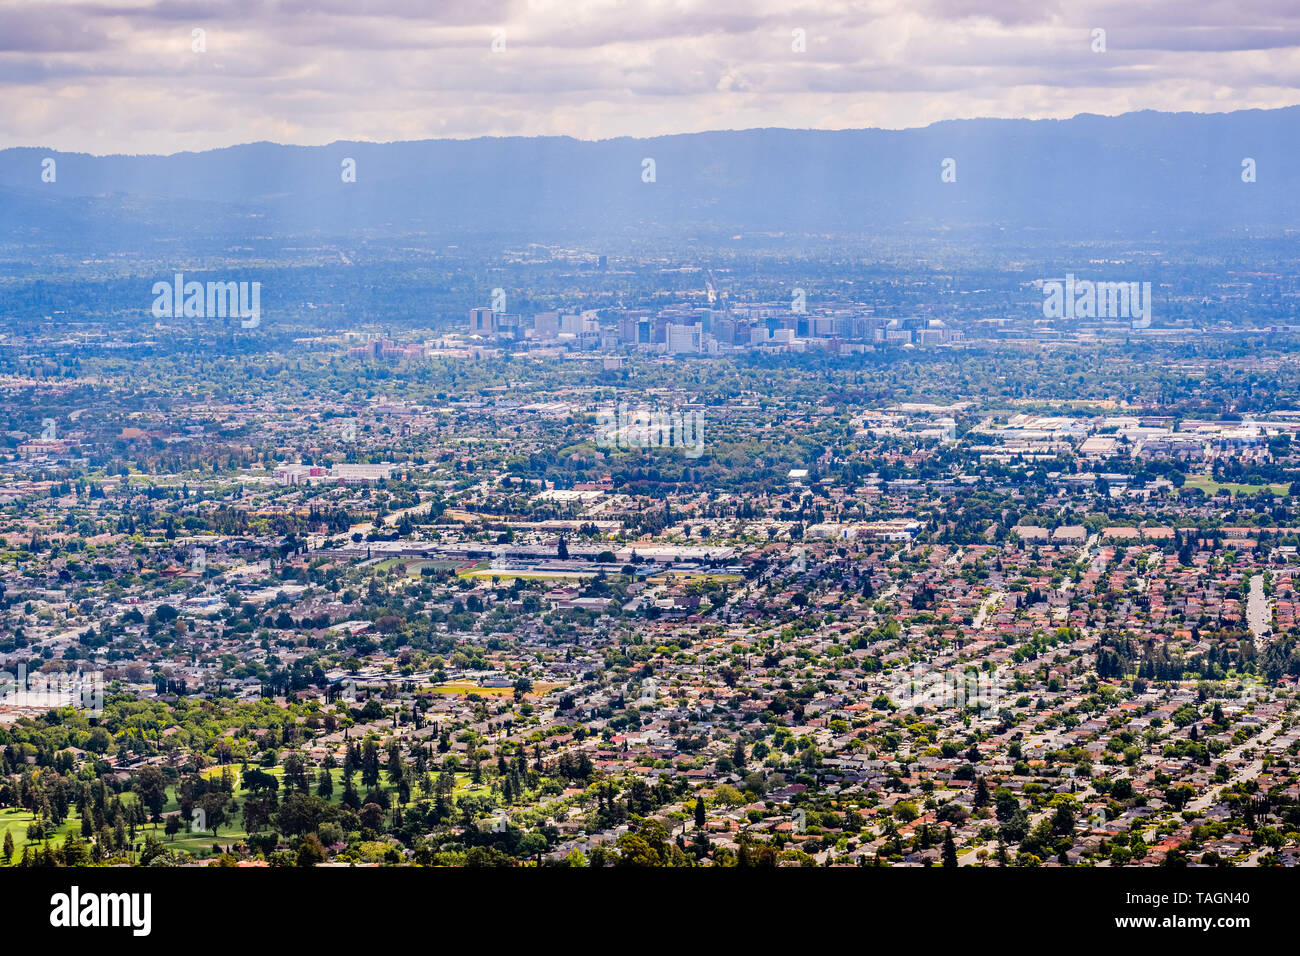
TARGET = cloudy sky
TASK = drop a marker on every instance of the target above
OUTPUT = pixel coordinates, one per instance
(125, 76)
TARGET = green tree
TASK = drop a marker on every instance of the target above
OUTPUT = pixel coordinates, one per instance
(215, 806)
(151, 787)
(949, 848)
(311, 851)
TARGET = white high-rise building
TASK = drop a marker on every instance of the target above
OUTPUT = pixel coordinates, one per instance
(684, 339)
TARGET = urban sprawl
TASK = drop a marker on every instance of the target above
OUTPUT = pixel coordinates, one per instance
(701, 581)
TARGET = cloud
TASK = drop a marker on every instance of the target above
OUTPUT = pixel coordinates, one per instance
(122, 76)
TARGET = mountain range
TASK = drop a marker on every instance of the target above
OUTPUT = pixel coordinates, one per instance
(1086, 178)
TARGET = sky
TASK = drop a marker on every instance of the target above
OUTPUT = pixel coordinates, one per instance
(134, 76)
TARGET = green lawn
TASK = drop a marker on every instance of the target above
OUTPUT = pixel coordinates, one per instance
(1211, 487)
(15, 822)
(491, 574)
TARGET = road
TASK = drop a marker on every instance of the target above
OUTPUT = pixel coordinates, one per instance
(1258, 613)
(1248, 772)
(990, 602)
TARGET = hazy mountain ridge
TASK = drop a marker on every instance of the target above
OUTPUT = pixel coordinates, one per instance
(1089, 177)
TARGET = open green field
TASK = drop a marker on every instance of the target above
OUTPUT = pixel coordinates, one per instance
(14, 822)
(1211, 487)
(413, 566)
(528, 575)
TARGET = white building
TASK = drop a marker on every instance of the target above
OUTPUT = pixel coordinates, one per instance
(685, 339)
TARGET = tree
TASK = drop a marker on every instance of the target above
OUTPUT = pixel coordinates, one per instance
(1005, 804)
(369, 763)
(532, 844)
(258, 810)
(311, 851)
(738, 755)
(1063, 821)
(151, 786)
(728, 795)
(649, 846)
(949, 848)
(699, 813)
(1014, 830)
(295, 772)
(905, 811)
(304, 813)
(9, 846)
(214, 810)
